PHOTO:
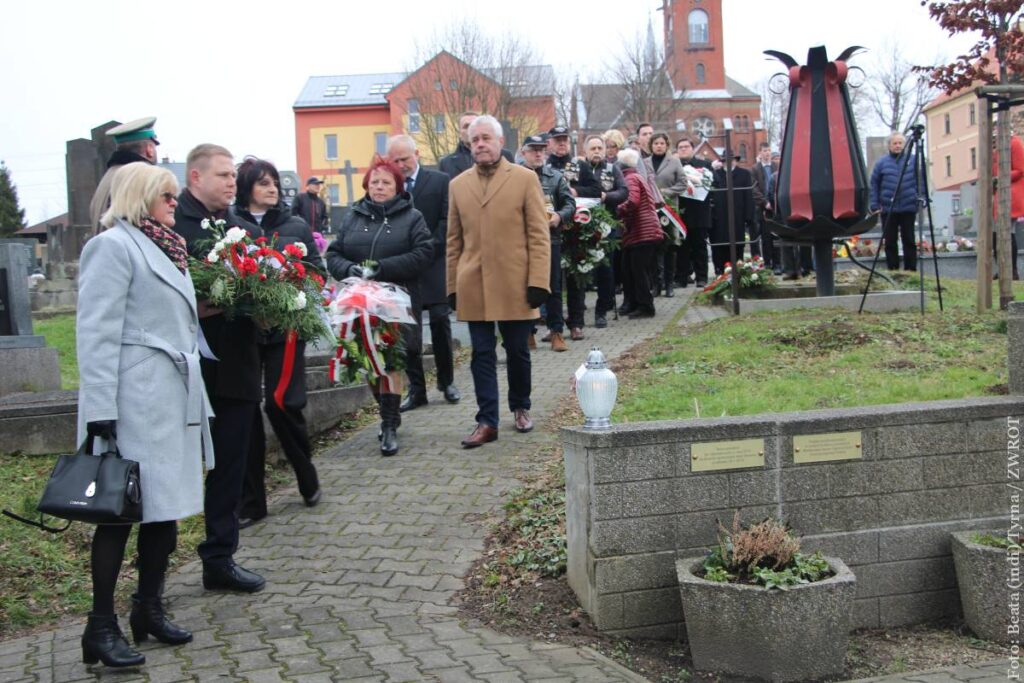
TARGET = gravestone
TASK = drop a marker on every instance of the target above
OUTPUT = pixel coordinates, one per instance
(26, 364)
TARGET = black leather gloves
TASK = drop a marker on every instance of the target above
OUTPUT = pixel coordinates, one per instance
(104, 429)
(535, 296)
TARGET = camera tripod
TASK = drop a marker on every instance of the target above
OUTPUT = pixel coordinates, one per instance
(913, 153)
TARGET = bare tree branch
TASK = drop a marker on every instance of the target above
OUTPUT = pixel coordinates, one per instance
(896, 92)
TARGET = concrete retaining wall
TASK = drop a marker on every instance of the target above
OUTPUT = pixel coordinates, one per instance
(634, 505)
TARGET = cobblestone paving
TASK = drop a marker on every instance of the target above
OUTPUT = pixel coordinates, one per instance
(358, 588)
(982, 672)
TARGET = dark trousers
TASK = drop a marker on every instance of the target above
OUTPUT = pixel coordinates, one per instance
(693, 254)
(899, 225)
(722, 254)
(290, 427)
(576, 293)
(553, 306)
(440, 339)
(768, 251)
(604, 278)
(755, 230)
(156, 542)
(666, 265)
(639, 264)
(232, 431)
(484, 366)
(1013, 250)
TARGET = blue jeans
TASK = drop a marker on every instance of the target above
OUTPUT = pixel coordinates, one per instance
(484, 366)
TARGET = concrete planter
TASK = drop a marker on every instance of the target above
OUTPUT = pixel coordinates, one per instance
(794, 635)
(986, 592)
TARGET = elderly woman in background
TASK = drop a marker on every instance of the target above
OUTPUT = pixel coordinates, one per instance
(140, 383)
(259, 201)
(641, 237)
(668, 173)
(384, 231)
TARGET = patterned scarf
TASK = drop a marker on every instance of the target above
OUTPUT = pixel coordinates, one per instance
(168, 241)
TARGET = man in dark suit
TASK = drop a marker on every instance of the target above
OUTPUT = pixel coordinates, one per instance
(429, 190)
(462, 159)
(763, 171)
(745, 196)
(231, 370)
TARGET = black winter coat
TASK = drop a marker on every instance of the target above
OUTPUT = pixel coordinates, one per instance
(430, 198)
(393, 234)
(743, 193)
(462, 159)
(557, 194)
(612, 182)
(313, 210)
(236, 375)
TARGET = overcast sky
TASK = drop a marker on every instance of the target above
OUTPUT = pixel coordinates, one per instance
(227, 71)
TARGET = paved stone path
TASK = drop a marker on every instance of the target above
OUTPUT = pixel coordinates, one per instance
(358, 588)
(981, 672)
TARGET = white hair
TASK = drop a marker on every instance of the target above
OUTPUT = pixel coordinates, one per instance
(406, 140)
(487, 120)
(628, 157)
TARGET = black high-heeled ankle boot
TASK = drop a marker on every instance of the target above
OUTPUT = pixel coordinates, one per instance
(390, 420)
(103, 641)
(148, 619)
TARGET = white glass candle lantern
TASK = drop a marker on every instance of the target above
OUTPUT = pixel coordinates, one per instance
(596, 391)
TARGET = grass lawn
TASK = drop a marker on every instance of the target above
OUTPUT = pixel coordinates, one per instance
(805, 360)
(60, 334)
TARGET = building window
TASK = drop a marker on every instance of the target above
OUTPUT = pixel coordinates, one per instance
(742, 123)
(439, 123)
(380, 143)
(974, 158)
(453, 84)
(972, 115)
(700, 74)
(414, 115)
(330, 146)
(743, 151)
(437, 85)
(949, 166)
(380, 88)
(698, 23)
(704, 127)
(333, 195)
(945, 123)
(339, 90)
(957, 209)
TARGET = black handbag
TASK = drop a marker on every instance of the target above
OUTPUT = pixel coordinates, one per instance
(96, 489)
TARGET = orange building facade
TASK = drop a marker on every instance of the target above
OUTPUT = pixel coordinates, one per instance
(342, 121)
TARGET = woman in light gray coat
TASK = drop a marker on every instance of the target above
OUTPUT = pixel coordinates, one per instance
(668, 172)
(140, 383)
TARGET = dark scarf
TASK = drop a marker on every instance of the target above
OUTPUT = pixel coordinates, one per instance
(120, 157)
(168, 241)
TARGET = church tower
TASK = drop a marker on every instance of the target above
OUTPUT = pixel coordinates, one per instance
(694, 49)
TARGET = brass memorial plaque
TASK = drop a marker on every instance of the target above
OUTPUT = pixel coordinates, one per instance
(726, 455)
(826, 447)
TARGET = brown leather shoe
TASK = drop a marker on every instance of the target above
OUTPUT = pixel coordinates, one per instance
(523, 421)
(576, 334)
(481, 435)
(546, 337)
(531, 342)
(557, 342)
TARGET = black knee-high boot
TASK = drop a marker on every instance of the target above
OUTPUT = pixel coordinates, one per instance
(390, 420)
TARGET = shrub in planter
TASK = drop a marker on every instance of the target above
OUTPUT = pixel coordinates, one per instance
(756, 606)
(983, 576)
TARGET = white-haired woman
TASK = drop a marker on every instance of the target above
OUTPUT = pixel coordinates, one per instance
(141, 385)
(641, 237)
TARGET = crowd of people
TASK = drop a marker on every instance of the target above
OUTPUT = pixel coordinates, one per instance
(179, 383)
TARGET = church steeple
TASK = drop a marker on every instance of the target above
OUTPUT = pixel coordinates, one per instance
(694, 48)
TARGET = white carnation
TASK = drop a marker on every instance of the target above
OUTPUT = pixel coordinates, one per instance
(213, 256)
(234, 234)
(205, 224)
(300, 301)
(302, 247)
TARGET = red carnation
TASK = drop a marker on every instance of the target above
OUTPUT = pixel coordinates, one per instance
(248, 266)
(261, 240)
(387, 338)
(300, 270)
(293, 250)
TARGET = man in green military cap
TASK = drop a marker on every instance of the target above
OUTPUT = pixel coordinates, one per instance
(136, 141)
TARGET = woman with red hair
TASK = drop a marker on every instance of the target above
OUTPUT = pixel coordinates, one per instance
(384, 238)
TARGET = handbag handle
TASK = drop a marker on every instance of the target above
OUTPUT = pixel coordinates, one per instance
(88, 443)
(39, 524)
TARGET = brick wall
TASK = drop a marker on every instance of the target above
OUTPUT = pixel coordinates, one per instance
(634, 505)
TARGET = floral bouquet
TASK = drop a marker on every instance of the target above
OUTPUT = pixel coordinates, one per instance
(698, 182)
(751, 274)
(585, 242)
(954, 245)
(246, 276)
(366, 315)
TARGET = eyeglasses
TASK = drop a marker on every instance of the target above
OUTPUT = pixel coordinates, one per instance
(169, 197)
